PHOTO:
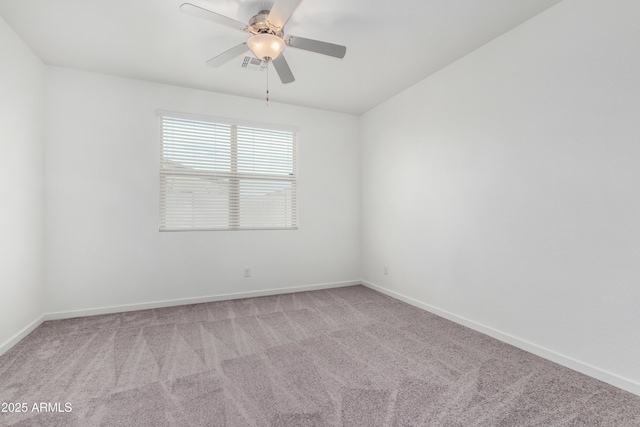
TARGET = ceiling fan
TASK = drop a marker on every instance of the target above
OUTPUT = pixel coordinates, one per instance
(267, 40)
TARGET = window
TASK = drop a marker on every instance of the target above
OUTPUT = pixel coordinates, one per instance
(220, 175)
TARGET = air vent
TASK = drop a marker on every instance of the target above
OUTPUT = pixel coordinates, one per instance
(251, 63)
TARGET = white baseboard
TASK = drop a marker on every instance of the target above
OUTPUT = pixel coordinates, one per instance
(584, 368)
(5, 346)
(185, 301)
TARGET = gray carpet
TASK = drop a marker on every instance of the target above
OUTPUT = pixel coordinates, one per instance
(339, 357)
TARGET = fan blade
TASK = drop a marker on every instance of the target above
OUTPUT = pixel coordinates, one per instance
(283, 70)
(227, 56)
(282, 11)
(194, 10)
(317, 46)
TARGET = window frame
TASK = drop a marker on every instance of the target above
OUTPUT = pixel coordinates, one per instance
(235, 177)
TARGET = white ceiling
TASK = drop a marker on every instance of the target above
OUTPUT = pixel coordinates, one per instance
(391, 45)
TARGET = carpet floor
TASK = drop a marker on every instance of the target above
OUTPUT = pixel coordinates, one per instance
(340, 357)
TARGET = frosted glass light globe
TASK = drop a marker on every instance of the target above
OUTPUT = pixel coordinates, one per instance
(266, 46)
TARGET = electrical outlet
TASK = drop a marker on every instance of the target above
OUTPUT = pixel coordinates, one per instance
(386, 270)
(247, 272)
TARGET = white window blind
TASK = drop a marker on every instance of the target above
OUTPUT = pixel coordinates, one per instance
(224, 176)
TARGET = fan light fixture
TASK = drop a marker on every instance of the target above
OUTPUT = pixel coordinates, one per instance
(267, 36)
(265, 46)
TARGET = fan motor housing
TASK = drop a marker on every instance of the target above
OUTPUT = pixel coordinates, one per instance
(259, 24)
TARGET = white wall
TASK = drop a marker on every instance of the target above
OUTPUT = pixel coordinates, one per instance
(21, 187)
(505, 189)
(102, 189)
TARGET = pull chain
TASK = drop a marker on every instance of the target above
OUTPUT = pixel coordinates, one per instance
(268, 83)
